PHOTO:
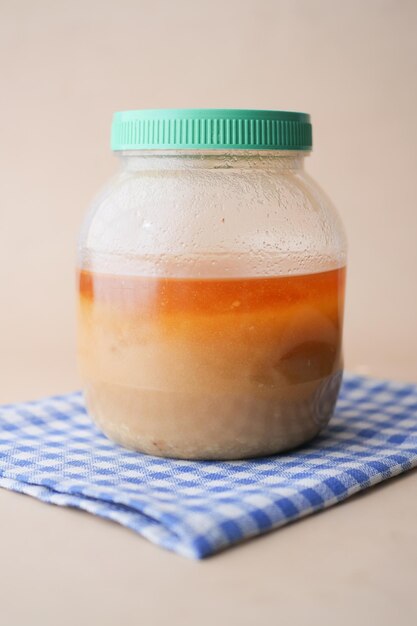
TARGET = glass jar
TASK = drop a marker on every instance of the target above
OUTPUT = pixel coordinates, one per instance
(211, 287)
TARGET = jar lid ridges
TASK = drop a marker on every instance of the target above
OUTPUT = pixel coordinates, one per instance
(213, 129)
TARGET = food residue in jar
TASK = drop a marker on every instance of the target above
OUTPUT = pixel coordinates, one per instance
(211, 368)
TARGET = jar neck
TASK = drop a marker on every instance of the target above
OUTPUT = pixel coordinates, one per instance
(144, 160)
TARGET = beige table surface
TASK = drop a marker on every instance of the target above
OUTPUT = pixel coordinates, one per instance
(355, 563)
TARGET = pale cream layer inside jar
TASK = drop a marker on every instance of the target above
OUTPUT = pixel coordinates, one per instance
(211, 368)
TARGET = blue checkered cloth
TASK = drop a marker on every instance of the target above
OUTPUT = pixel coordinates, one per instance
(49, 449)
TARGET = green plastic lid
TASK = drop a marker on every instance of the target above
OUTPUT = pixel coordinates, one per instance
(212, 129)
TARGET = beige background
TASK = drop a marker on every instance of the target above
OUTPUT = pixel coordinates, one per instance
(64, 68)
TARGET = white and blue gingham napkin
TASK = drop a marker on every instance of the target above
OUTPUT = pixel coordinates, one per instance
(50, 449)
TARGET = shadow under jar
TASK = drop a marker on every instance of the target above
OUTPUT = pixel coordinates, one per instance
(211, 275)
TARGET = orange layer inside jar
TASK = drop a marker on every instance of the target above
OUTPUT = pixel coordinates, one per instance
(211, 368)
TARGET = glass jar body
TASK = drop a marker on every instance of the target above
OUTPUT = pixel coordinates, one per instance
(211, 290)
